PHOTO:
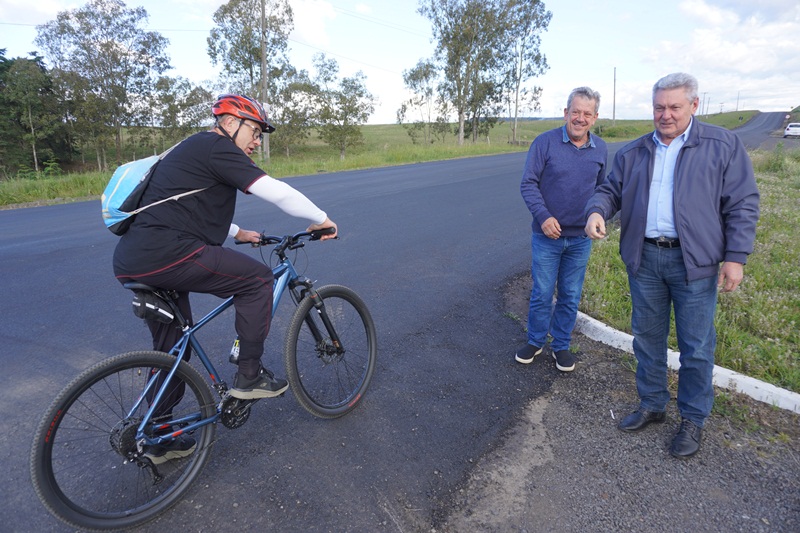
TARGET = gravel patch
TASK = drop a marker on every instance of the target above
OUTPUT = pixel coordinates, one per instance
(565, 466)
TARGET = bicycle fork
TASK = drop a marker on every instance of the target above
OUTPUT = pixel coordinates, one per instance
(330, 345)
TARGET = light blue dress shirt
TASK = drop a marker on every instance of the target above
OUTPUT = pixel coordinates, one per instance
(660, 207)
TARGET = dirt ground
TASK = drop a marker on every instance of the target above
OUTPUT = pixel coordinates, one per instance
(565, 467)
(734, 409)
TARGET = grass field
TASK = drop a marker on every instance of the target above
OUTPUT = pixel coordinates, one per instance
(384, 145)
(757, 325)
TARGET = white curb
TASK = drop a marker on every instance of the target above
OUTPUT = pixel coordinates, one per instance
(727, 379)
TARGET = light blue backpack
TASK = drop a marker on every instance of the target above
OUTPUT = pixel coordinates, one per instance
(123, 194)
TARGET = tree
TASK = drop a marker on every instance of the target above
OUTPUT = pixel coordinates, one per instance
(29, 88)
(529, 18)
(250, 41)
(485, 48)
(342, 105)
(293, 110)
(106, 61)
(417, 113)
(470, 44)
(180, 107)
(33, 133)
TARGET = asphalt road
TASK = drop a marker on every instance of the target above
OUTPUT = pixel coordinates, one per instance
(430, 247)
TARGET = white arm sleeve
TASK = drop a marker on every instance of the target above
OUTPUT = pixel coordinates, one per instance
(289, 200)
(233, 231)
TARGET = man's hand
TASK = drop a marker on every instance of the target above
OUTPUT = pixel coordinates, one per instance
(730, 276)
(327, 224)
(595, 226)
(244, 235)
(552, 228)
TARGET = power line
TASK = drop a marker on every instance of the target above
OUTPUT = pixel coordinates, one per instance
(379, 22)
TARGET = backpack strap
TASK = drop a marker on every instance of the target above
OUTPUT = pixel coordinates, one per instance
(175, 197)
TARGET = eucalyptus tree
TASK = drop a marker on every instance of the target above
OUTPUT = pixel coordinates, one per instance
(181, 107)
(475, 52)
(529, 19)
(417, 114)
(342, 105)
(469, 37)
(250, 43)
(293, 109)
(103, 56)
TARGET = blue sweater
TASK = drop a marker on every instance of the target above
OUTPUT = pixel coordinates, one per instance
(560, 178)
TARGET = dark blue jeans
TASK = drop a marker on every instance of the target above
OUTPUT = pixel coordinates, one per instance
(556, 263)
(659, 285)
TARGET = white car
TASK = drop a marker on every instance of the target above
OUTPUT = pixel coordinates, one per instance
(792, 130)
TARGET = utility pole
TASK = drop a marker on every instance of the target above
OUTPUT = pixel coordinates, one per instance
(703, 104)
(614, 105)
(265, 144)
(737, 100)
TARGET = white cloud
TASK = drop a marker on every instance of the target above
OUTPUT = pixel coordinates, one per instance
(310, 21)
(26, 12)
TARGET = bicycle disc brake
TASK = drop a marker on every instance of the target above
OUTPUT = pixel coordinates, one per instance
(235, 412)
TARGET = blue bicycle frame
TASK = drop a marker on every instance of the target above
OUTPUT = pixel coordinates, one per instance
(284, 274)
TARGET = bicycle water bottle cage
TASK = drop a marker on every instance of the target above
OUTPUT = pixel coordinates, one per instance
(146, 305)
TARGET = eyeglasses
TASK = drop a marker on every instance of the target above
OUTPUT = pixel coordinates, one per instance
(258, 135)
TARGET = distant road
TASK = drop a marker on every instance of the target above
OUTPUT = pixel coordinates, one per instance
(763, 131)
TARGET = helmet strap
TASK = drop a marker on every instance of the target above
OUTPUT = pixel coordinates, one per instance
(226, 134)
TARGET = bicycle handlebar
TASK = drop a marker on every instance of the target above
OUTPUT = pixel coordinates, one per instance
(290, 242)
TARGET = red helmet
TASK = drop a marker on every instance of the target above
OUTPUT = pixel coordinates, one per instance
(243, 107)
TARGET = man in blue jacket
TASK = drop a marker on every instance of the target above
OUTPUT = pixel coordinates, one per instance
(563, 168)
(688, 201)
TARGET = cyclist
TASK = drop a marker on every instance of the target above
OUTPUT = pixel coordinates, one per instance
(177, 245)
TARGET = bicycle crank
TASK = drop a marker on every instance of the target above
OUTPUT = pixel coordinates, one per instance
(235, 412)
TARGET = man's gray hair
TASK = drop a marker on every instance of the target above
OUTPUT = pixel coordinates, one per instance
(677, 80)
(587, 93)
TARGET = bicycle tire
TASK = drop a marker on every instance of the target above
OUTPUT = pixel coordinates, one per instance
(328, 384)
(76, 471)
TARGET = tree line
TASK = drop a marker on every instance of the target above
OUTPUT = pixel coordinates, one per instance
(98, 91)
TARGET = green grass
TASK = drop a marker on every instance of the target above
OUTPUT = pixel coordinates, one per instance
(757, 325)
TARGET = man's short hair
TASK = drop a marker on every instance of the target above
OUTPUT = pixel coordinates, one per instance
(677, 80)
(587, 93)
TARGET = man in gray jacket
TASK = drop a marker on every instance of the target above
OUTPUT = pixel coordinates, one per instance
(688, 201)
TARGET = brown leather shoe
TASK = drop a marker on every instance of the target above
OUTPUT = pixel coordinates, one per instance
(640, 419)
(686, 442)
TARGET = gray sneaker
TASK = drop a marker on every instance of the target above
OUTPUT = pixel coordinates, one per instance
(265, 385)
(526, 353)
(565, 361)
(181, 446)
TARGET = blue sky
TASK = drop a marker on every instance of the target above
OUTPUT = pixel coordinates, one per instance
(743, 52)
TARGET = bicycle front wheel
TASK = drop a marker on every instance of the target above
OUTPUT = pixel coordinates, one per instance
(84, 463)
(330, 352)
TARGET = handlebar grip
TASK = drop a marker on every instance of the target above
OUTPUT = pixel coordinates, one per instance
(318, 234)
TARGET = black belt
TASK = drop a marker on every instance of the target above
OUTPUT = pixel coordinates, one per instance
(664, 242)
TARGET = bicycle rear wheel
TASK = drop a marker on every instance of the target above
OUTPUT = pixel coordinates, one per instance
(329, 378)
(84, 463)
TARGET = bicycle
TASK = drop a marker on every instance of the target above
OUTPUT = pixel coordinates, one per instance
(89, 461)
